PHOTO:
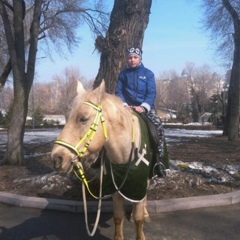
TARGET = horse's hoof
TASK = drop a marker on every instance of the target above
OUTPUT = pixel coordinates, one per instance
(118, 238)
(147, 219)
(131, 219)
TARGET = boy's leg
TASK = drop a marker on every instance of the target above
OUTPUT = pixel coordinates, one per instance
(162, 146)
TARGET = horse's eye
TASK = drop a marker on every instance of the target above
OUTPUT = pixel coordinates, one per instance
(83, 119)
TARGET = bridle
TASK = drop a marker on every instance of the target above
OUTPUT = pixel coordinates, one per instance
(89, 134)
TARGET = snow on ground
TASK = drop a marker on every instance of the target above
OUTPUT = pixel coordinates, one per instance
(213, 172)
(41, 136)
(49, 135)
(177, 135)
(35, 136)
(191, 133)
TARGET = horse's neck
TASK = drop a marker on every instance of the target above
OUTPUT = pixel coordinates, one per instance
(120, 132)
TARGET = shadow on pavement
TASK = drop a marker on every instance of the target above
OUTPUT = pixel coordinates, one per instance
(26, 224)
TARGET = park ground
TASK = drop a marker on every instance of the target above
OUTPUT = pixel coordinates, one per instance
(199, 166)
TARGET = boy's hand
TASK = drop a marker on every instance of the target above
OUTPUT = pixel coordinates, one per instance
(139, 109)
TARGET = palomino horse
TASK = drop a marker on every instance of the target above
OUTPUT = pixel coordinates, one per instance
(118, 132)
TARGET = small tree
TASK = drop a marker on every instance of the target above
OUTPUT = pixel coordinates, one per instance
(65, 86)
(38, 116)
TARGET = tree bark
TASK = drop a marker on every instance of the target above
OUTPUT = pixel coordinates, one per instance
(226, 118)
(233, 108)
(128, 21)
(5, 74)
(233, 99)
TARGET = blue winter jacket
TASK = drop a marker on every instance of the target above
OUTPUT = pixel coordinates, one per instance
(136, 87)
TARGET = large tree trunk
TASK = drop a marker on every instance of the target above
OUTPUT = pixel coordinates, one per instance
(129, 19)
(233, 109)
(226, 119)
(15, 39)
(233, 100)
(14, 153)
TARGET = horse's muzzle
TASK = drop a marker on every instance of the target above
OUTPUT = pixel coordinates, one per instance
(57, 162)
(61, 159)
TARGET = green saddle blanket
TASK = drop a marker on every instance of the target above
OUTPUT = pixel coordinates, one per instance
(130, 179)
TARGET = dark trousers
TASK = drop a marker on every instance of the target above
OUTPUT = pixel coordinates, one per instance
(162, 147)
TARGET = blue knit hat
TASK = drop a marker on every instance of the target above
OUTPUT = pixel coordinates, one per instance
(134, 51)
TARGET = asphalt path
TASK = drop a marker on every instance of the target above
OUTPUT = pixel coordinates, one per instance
(211, 223)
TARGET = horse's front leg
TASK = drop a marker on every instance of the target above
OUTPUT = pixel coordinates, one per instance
(118, 216)
(138, 217)
(147, 218)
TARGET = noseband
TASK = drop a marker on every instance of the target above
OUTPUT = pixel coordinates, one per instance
(89, 135)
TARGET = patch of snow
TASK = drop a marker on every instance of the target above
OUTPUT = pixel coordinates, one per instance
(217, 173)
(191, 133)
(60, 118)
(35, 136)
(49, 135)
(34, 155)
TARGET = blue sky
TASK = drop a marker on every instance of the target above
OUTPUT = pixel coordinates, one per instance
(173, 38)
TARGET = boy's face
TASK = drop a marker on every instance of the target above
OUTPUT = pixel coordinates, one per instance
(133, 60)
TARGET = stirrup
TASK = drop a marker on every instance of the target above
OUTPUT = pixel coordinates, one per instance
(159, 170)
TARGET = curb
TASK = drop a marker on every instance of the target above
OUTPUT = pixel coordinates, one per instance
(156, 206)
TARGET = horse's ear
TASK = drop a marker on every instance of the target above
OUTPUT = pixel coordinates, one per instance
(102, 87)
(99, 91)
(80, 88)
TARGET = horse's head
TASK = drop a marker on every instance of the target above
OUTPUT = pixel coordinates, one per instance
(84, 132)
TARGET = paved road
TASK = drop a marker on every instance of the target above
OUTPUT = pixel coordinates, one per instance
(215, 223)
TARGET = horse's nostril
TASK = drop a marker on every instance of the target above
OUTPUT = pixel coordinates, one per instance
(58, 162)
